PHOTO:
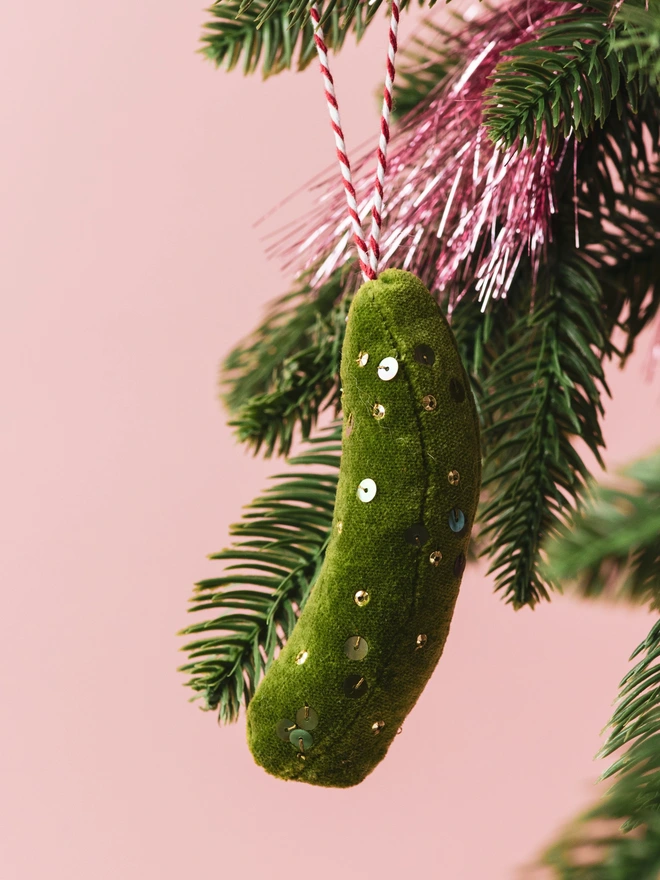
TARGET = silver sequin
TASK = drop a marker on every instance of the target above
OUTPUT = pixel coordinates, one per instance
(366, 490)
(388, 368)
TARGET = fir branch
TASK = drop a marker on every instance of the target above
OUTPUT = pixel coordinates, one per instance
(597, 846)
(591, 849)
(277, 34)
(619, 217)
(279, 552)
(611, 547)
(619, 226)
(643, 35)
(290, 327)
(569, 78)
(483, 336)
(287, 372)
(303, 384)
(636, 720)
(544, 390)
(423, 64)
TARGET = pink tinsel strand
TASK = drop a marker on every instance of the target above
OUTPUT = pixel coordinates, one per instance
(457, 210)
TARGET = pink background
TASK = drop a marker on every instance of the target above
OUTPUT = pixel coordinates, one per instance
(131, 175)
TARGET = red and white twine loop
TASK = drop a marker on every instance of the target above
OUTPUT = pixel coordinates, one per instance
(368, 254)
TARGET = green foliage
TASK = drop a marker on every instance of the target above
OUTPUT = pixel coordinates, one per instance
(482, 337)
(288, 327)
(597, 847)
(619, 838)
(643, 35)
(302, 385)
(287, 371)
(277, 34)
(636, 721)
(280, 548)
(612, 545)
(619, 218)
(569, 78)
(422, 65)
(543, 391)
(533, 404)
(530, 418)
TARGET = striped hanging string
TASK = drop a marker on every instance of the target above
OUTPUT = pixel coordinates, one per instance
(368, 254)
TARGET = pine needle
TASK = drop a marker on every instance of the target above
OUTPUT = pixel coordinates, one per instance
(267, 577)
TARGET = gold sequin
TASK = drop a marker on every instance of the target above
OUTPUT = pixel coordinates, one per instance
(429, 402)
(377, 726)
(356, 648)
(362, 359)
(302, 656)
(378, 411)
(361, 598)
(284, 728)
(454, 477)
(421, 641)
(435, 558)
(307, 718)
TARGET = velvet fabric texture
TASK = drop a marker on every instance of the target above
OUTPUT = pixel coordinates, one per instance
(378, 615)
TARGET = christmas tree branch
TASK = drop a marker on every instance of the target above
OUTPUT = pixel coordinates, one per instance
(290, 327)
(636, 721)
(302, 385)
(546, 387)
(620, 837)
(424, 63)
(612, 546)
(643, 35)
(287, 372)
(280, 548)
(569, 78)
(526, 408)
(619, 219)
(277, 34)
(544, 390)
(598, 846)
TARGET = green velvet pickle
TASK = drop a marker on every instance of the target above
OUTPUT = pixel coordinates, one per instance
(330, 705)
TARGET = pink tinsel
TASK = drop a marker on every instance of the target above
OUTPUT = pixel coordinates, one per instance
(456, 208)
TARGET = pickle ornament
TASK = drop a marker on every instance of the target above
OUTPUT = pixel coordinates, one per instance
(378, 615)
